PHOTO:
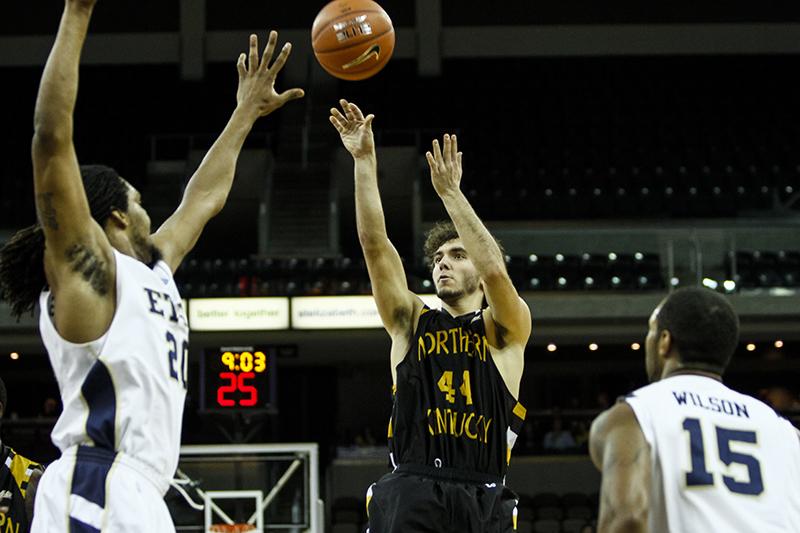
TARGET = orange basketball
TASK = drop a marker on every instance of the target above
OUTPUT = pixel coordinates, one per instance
(352, 39)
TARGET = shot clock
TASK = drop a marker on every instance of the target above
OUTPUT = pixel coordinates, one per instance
(238, 378)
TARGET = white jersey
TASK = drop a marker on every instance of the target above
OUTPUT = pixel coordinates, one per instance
(721, 460)
(125, 391)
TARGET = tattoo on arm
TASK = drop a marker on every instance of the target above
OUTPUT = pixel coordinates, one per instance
(86, 263)
(47, 213)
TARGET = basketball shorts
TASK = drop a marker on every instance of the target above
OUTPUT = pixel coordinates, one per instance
(90, 489)
(420, 499)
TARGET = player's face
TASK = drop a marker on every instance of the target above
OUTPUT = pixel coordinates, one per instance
(653, 363)
(454, 274)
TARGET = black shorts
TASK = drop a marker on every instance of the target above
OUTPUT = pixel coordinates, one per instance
(418, 499)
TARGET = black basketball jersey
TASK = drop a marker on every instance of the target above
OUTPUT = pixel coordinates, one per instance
(452, 408)
(15, 472)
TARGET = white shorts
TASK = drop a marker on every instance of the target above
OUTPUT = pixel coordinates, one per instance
(88, 490)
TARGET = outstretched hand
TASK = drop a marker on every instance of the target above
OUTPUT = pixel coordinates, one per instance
(354, 129)
(445, 166)
(257, 78)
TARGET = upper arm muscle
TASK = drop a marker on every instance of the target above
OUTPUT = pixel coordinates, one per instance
(509, 313)
(396, 304)
(618, 446)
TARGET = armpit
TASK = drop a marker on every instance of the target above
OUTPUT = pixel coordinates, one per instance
(90, 266)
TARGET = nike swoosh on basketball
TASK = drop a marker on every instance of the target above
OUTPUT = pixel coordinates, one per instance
(374, 50)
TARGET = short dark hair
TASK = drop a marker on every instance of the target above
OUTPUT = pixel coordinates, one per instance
(703, 326)
(440, 233)
(3, 396)
(22, 257)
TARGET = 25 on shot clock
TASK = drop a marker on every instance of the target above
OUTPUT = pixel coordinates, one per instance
(237, 378)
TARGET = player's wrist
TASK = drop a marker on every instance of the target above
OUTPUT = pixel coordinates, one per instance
(246, 113)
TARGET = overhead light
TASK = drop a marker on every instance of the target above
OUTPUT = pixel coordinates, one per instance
(729, 285)
(674, 282)
(593, 346)
(635, 346)
(779, 344)
(751, 347)
(14, 356)
(710, 283)
(552, 347)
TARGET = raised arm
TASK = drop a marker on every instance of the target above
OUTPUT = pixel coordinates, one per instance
(61, 203)
(620, 451)
(208, 189)
(397, 305)
(508, 311)
(78, 258)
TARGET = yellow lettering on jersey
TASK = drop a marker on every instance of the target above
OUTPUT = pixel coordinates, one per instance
(453, 333)
(463, 341)
(465, 389)
(423, 348)
(441, 342)
(445, 385)
(10, 526)
(486, 423)
(453, 341)
(459, 424)
(472, 435)
(441, 422)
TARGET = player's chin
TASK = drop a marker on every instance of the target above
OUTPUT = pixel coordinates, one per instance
(447, 293)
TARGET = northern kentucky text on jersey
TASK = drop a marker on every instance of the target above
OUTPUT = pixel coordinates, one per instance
(459, 424)
(718, 405)
(453, 341)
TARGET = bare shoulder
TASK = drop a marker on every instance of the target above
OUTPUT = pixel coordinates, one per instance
(619, 417)
(516, 331)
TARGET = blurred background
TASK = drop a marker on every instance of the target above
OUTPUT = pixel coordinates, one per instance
(619, 150)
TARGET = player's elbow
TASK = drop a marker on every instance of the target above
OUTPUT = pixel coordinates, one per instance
(49, 137)
(371, 241)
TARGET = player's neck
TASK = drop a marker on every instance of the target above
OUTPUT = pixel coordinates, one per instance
(461, 306)
(682, 371)
(121, 243)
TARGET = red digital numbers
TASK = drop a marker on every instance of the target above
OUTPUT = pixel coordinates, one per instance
(249, 394)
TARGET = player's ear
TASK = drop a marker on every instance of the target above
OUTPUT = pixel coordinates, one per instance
(119, 218)
(664, 343)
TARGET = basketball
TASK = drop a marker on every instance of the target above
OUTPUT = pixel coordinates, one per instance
(352, 39)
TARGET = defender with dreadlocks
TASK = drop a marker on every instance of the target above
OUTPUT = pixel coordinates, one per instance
(456, 371)
(111, 316)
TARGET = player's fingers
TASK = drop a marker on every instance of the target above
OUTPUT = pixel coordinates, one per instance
(281, 60)
(458, 158)
(348, 111)
(241, 65)
(447, 151)
(453, 148)
(291, 94)
(357, 112)
(253, 58)
(431, 161)
(368, 120)
(338, 114)
(269, 50)
(336, 123)
(437, 152)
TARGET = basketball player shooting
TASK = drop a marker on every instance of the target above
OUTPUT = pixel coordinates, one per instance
(111, 316)
(456, 371)
(686, 453)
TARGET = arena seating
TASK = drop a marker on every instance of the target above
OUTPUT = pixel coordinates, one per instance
(342, 275)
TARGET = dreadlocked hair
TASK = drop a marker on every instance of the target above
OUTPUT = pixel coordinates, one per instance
(22, 276)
